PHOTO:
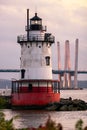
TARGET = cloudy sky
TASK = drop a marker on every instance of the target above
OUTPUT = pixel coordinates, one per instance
(66, 19)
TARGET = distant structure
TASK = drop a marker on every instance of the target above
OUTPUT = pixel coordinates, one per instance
(67, 77)
(35, 87)
(66, 83)
(59, 62)
(76, 64)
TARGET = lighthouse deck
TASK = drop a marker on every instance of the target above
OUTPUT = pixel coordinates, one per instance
(36, 38)
(32, 86)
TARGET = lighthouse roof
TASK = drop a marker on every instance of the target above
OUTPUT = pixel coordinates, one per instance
(36, 17)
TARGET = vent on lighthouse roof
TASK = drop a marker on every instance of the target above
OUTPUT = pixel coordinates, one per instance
(36, 17)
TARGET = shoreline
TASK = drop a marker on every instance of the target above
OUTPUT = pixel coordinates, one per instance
(65, 104)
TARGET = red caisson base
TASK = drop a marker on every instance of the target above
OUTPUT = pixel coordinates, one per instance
(35, 95)
(37, 99)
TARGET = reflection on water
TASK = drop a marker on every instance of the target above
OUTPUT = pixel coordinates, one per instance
(34, 118)
(30, 118)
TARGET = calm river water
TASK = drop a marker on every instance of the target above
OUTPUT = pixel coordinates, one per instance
(33, 118)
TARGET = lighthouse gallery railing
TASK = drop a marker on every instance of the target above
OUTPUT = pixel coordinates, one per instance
(36, 38)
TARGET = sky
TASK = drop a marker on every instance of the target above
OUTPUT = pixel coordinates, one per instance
(65, 19)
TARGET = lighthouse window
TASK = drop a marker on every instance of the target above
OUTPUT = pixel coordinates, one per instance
(36, 22)
(47, 60)
(36, 44)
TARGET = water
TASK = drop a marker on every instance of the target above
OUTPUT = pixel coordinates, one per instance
(33, 118)
(75, 94)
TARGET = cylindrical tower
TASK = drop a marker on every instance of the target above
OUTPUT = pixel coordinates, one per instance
(76, 64)
(35, 80)
(66, 63)
(67, 77)
(59, 63)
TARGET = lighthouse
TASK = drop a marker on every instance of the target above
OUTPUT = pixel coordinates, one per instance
(35, 86)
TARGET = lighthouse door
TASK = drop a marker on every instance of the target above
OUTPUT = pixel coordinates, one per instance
(30, 87)
(22, 73)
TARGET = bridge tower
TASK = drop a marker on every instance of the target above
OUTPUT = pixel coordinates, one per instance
(59, 63)
(35, 86)
(67, 77)
(76, 64)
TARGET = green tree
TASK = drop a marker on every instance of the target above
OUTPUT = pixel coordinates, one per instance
(6, 124)
(3, 103)
(79, 125)
(51, 125)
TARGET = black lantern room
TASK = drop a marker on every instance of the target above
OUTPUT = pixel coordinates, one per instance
(35, 23)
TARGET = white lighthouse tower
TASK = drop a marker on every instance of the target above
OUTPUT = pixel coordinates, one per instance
(35, 86)
(36, 51)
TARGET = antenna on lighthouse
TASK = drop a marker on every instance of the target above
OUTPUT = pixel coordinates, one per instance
(27, 24)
